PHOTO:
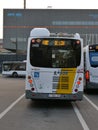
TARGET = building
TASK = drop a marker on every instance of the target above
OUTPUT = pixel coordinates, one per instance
(19, 22)
(2, 50)
(1, 45)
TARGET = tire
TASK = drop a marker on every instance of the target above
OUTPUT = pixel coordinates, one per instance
(15, 75)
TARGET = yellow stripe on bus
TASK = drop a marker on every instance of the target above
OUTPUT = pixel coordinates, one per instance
(66, 81)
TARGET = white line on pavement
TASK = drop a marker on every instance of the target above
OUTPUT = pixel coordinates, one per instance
(11, 106)
(82, 121)
(96, 107)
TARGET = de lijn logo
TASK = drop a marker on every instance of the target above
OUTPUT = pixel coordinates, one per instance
(61, 72)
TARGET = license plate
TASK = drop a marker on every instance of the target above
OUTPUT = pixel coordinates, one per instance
(54, 95)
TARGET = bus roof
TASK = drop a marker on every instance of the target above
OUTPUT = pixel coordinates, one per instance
(44, 32)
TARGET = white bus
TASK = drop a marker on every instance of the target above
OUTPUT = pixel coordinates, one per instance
(54, 66)
(91, 66)
(14, 68)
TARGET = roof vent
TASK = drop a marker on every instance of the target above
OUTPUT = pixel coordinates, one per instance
(39, 32)
(77, 35)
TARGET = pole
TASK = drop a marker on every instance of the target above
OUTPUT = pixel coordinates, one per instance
(24, 4)
(16, 48)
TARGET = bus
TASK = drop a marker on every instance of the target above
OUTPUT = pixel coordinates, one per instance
(14, 68)
(91, 66)
(54, 66)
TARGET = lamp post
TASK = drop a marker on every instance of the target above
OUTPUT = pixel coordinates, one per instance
(24, 4)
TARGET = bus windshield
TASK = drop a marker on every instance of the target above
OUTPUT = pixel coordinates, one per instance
(93, 59)
(93, 55)
(55, 52)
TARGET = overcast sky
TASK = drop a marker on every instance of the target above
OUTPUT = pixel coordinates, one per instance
(55, 4)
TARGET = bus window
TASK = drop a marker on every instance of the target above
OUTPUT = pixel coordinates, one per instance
(68, 55)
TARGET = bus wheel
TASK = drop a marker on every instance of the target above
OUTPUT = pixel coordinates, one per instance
(15, 74)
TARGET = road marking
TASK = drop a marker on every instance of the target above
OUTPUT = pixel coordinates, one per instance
(91, 102)
(82, 121)
(10, 107)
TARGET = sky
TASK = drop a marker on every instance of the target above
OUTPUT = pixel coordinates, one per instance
(43, 4)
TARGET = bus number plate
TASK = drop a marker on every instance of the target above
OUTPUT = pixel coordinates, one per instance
(54, 95)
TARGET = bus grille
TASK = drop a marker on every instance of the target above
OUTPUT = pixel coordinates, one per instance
(62, 79)
(64, 86)
(60, 82)
(55, 79)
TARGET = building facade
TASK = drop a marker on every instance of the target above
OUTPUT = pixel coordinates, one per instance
(19, 22)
